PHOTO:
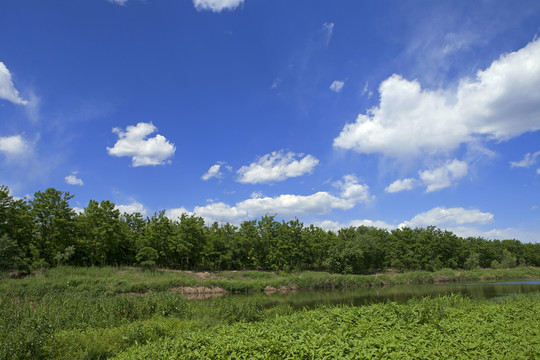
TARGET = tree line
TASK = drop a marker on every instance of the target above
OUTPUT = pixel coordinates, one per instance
(45, 231)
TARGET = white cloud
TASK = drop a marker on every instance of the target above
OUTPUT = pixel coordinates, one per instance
(285, 205)
(434, 179)
(449, 217)
(134, 143)
(14, 145)
(527, 161)
(294, 205)
(7, 88)
(119, 2)
(277, 166)
(78, 210)
(460, 221)
(335, 226)
(221, 212)
(401, 185)
(502, 102)
(134, 207)
(442, 177)
(214, 171)
(73, 179)
(217, 5)
(352, 190)
(328, 29)
(177, 212)
(337, 86)
(276, 83)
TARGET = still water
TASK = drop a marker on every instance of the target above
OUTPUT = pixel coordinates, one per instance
(395, 293)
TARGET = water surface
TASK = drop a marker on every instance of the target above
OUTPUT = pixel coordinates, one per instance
(395, 293)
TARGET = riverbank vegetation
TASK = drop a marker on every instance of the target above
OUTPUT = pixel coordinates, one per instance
(46, 232)
(92, 316)
(137, 281)
(446, 327)
(103, 312)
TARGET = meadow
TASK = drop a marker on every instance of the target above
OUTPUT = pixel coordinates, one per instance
(99, 313)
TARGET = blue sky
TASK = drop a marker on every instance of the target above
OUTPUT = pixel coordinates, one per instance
(339, 113)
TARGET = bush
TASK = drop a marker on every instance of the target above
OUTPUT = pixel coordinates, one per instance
(11, 254)
(147, 257)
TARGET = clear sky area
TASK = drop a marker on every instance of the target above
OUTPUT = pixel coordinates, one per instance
(339, 113)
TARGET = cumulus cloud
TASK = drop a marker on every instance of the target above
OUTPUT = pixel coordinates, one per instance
(7, 88)
(335, 225)
(14, 145)
(460, 221)
(434, 179)
(132, 208)
(285, 205)
(442, 177)
(449, 217)
(401, 185)
(337, 86)
(72, 179)
(352, 190)
(500, 103)
(177, 212)
(215, 171)
(295, 205)
(217, 5)
(212, 172)
(277, 166)
(143, 151)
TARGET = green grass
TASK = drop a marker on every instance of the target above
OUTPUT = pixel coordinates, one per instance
(98, 313)
(110, 280)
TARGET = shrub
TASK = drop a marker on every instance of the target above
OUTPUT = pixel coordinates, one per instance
(147, 257)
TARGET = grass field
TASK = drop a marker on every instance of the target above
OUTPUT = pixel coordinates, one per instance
(99, 313)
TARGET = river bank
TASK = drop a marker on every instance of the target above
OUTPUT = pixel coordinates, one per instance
(133, 280)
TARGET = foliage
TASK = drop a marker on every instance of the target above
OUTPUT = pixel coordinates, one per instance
(100, 312)
(46, 231)
(11, 255)
(147, 257)
(445, 327)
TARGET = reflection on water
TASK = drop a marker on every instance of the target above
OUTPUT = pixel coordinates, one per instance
(396, 293)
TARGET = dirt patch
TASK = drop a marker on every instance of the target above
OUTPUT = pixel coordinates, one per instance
(441, 279)
(200, 292)
(199, 275)
(282, 289)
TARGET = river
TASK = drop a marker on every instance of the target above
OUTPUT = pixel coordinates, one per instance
(396, 293)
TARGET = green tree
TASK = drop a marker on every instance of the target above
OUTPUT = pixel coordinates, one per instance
(191, 232)
(161, 233)
(103, 235)
(15, 220)
(508, 260)
(219, 245)
(54, 223)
